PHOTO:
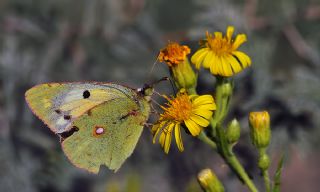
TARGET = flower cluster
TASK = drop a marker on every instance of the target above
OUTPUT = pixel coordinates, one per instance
(187, 110)
(203, 116)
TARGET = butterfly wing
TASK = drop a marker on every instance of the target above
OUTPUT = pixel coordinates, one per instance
(59, 104)
(106, 136)
(107, 120)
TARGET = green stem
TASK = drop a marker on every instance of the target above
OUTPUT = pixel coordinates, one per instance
(217, 135)
(223, 96)
(192, 91)
(263, 165)
(203, 137)
(225, 150)
(266, 180)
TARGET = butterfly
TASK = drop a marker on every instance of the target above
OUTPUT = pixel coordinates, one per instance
(98, 123)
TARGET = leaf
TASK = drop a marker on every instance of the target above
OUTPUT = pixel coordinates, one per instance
(277, 175)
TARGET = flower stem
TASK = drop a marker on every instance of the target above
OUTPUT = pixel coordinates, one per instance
(203, 137)
(266, 180)
(217, 137)
(223, 96)
(264, 163)
(225, 150)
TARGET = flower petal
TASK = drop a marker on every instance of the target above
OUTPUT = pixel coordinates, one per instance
(168, 137)
(214, 68)
(227, 71)
(192, 127)
(243, 58)
(198, 57)
(208, 60)
(157, 128)
(203, 113)
(218, 35)
(219, 65)
(177, 135)
(208, 106)
(241, 38)
(230, 31)
(162, 139)
(199, 120)
(236, 67)
(203, 99)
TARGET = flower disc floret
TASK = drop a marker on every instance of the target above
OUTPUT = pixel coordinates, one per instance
(173, 53)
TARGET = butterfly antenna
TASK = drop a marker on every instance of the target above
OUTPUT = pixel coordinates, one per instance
(173, 87)
(162, 96)
(152, 68)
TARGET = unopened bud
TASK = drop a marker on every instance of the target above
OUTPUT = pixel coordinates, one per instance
(175, 56)
(209, 181)
(226, 89)
(184, 75)
(233, 132)
(260, 128)
(264, 162)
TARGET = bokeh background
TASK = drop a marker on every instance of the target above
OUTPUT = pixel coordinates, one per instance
(118, 41)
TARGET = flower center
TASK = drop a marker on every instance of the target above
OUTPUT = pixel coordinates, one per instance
(220, 45)
(173, 53)
(178, 109)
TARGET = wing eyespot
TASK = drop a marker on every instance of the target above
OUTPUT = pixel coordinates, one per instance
(98, 131)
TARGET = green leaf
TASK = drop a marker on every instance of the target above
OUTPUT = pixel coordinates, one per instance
(277, 175)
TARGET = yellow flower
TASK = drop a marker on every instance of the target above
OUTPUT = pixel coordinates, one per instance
(220, 54)
(190, 110)
(173, 54)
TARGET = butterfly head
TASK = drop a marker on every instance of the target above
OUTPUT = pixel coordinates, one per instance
(148, 89)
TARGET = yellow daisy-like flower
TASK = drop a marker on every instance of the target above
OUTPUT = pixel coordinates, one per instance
(220, 54)
(173, 53)
(190, 110)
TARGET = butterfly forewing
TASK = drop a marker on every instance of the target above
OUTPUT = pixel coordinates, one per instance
(59, 104)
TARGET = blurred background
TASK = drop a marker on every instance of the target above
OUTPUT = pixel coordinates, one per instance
(118, 41)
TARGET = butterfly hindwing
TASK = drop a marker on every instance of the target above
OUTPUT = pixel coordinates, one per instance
(106, 136)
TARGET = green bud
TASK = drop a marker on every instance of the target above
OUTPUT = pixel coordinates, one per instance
(226, 88)
(209, 181)
(184, 75)
(264, 162)
(233, 132)
(260, 129)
